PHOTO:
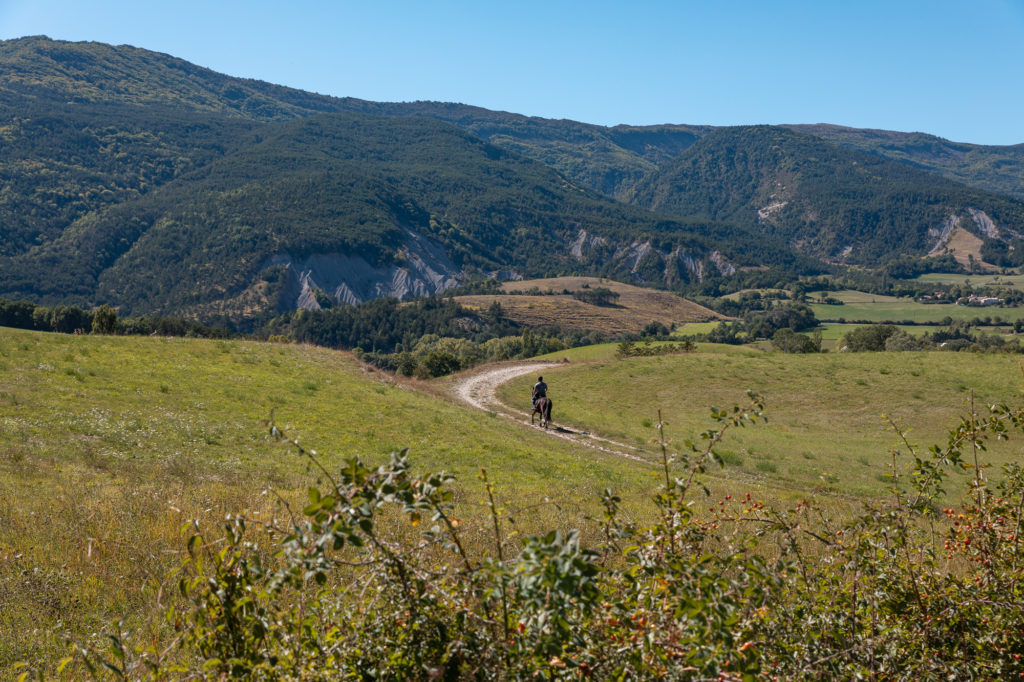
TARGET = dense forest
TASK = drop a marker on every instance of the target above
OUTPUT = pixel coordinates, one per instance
(993, 168)
(351, 184)
(828, 201)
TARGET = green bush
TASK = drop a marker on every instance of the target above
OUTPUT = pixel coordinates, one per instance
(104, 320)
(901, 340)
(870, 338)
(788, 341)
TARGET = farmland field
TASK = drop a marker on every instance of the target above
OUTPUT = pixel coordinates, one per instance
(987, 280)
(858, 305)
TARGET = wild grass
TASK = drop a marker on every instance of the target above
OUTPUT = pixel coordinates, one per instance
(607, 351)
(826, 430)
(101, 466)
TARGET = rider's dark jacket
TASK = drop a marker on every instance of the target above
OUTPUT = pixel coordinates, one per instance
(540, 390)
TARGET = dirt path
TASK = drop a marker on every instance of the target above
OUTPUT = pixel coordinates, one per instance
(480, 391)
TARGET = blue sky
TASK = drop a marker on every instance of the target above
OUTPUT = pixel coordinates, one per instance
(954, 69)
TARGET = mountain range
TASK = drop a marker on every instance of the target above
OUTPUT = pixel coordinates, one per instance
(138, 179)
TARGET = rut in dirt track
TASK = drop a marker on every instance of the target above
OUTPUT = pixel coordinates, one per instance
(480, 391)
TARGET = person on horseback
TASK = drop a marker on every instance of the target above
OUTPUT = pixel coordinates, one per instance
(540, 390)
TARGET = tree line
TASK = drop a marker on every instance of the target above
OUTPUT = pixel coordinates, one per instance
(66, 319)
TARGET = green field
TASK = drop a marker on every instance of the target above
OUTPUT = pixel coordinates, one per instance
(109, 444)
(825, 429)
(736, 295)
(834, 332)
(1008, 281)
(607, 351)
(877, 308)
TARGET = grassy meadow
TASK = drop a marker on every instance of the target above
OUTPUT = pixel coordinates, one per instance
(858, 305)
(825, 429)
(694, 328)
(109, 445)
(834, 332)
(1015, 281)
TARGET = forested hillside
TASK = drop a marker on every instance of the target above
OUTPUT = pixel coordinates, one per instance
(137, 179)
(823, 199)
(56, 72)
(994, 168)
(207, 229)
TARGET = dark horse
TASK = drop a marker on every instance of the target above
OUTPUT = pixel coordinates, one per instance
(543, 408)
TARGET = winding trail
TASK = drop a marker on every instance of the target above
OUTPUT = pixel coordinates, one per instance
(480, 391)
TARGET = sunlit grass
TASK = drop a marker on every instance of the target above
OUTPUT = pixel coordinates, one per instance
(1015, 281)
(826, 430)
(109, 445)
(862, 306)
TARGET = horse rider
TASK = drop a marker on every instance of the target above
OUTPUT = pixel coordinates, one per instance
(540, 390)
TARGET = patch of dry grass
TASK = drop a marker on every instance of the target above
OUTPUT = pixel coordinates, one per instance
(966, 249)
(634, 309)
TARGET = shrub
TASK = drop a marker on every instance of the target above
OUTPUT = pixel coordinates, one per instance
(901, 340)
(630, 349)
(870, 338)
(789, 341)
(764, 324)
(601, 296)
(104, 320)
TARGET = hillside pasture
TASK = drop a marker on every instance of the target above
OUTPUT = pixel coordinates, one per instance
(694, 328)
(769, 293)
(634, 308)
(109, 445)
(825, 430)
(966, 249)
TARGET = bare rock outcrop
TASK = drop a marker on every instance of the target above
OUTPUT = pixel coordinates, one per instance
(423, 269)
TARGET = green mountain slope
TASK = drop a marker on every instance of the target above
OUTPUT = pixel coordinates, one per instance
(994, 168)
(62, 162)
(609, 160)
(823, 199)
(361, 202)
(139, 179)
(56, 72)
(136, 178)
(53, 71)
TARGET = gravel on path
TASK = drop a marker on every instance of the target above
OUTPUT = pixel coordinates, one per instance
(480, 391)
